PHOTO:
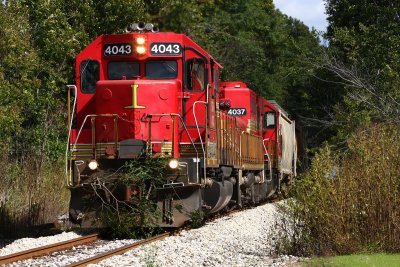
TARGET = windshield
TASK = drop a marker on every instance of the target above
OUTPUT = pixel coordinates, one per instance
(90, 74)
(123, 70)
(163, 69)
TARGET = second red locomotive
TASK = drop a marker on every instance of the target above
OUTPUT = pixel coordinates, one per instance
(158, 94)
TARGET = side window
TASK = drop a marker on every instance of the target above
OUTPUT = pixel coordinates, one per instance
(90, 74)
(195, 74)
(269, 120)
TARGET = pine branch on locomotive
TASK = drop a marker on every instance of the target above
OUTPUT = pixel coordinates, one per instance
(157, 94)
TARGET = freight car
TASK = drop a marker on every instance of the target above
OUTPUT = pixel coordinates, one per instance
(158, 94)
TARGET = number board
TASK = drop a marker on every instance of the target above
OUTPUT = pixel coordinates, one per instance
(165, 49)
(118, 49)
(237, 111)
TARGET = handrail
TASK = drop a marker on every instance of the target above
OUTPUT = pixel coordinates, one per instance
(198, 129)
(116, 116)
(80, 131)
(240, 147)
(269, 159)
(70, 119)
(295, 150)
(186, 130)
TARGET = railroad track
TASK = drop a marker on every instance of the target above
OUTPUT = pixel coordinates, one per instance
(65, 245)
(126, 248)
(46, 250)
(118, 251)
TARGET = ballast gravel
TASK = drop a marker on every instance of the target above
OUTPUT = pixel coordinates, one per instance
(29, 243)
(65, 258)
(240, 239)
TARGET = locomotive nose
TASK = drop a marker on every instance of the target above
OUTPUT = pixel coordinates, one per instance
(136, 94)
(133, 102)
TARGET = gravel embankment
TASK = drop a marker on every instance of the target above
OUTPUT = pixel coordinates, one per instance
(240, 239)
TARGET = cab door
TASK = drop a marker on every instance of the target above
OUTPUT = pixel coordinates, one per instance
(194, 97)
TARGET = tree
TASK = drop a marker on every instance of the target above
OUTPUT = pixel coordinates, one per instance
(18, 70)
(365, 36)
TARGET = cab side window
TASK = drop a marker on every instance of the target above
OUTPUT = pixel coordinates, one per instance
(195, 74)
(90, 74)
(269, 120)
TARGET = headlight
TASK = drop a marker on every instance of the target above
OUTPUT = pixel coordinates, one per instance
(140, 50)
(93, 164)
(140, 40)
(173, 163)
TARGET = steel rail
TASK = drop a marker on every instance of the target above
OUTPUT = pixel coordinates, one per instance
(118, 251)
(46, 250)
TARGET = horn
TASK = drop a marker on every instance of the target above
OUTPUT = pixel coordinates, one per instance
(141, 25)
(148, 27)
(133, 27)
(155, 29)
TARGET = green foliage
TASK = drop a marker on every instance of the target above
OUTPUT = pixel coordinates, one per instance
(197, 218)
(359, 260)
(150, 257)
(145, 172)
(365, 36)
(132, 220)
(18, 66)
(348, 202)
(26, 201)
(138, 216)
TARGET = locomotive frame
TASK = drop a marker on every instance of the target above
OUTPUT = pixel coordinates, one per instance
(155, 94)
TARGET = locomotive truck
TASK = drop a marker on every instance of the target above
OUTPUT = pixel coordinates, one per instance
(155, 94)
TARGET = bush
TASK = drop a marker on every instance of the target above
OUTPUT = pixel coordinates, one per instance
(349, 201)
(137, 217)
(29, 196)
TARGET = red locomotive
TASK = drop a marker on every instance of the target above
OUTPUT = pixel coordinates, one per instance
(158, 94)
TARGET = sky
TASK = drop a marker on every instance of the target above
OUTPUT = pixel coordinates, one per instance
(311, 12)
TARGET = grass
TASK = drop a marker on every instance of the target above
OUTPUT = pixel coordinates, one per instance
(358, 260)
(30, 195)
